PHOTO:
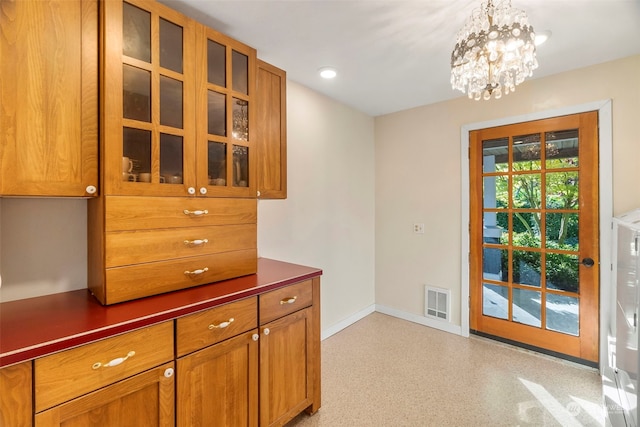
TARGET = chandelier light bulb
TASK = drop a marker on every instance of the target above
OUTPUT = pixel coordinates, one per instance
(495, 51)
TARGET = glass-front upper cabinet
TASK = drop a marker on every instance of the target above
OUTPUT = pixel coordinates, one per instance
(149, 99)
(226, 130)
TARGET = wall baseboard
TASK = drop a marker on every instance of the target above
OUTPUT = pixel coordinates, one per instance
(347, 322)
(422, 320)
(432, 323)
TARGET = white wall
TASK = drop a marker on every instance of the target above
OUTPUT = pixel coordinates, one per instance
(418, 174)
(327, 221)
(43, 246)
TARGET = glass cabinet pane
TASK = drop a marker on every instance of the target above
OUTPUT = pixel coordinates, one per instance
(216, 64)
(136, 33)
(170, 46)
(136, 93)
(240, 72)
(171, 159)
(170, 102)
(217, 113)
(217, 167)
(240, 166)
(240, 119)
(136, 146)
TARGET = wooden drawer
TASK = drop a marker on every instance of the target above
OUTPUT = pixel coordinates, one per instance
(144, 213)
(135, 247)
(75, 372)
(142, 280)
(283, 301)
(208, 327)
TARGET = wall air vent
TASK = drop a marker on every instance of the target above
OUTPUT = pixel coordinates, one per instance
(436, 303)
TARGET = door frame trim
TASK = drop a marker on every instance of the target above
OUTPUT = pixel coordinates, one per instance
(605, 184)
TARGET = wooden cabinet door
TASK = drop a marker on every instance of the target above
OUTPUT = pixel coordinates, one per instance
(286, 388)
(218, 386)
(271, 108)
(16, 395)
(226, 116)
(144, 400)
(148, 100)
(49, 98)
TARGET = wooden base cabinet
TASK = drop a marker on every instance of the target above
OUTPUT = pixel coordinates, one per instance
(146, 399)
(263, 376)
(15, 395)
(289, 352)
(218, 386)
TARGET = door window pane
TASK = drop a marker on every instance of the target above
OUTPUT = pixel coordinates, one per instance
(495, 155)
(495, 301)
(217, 170)
(526, 191)
(526, 268)
(496, 191)
(562, 190)
(526, 229)
(240, 72)
(495, 264)
(171, 159)
(495, 228)
(526, 307)
(136, 145)
(136, 32)
(563, 314)
(170, 102)
(526, 152)
(562, 149)
(170, 46)
(216, 63)
(562, 231)
(217, 114)
(240, 166)
(136, 93)
(562, 272)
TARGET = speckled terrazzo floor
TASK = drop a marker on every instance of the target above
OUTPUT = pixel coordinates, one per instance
(384, 371)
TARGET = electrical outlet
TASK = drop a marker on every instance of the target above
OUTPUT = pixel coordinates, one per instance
(418, 228)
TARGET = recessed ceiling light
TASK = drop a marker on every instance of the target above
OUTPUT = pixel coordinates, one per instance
(542, 37)
(327, 72)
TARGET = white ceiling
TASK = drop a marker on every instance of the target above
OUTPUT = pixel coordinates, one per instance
(393, 55)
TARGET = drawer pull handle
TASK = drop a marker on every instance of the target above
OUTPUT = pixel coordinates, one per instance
(289, 300)
(197, 242)
(255, 337)
(221, 325)
(195, 213)
(266, 331)
(196, 272)
(114, 362)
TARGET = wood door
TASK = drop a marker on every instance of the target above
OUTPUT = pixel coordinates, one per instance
(285, 368)
(144, 400)
(534, 265)
(218, 385)
(49, 98)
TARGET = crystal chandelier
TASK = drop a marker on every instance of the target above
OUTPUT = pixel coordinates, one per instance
(494, 52)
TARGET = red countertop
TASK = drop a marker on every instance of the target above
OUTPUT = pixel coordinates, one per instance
(36, 327)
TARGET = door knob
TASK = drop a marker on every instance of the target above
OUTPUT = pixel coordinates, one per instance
(588, 262)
